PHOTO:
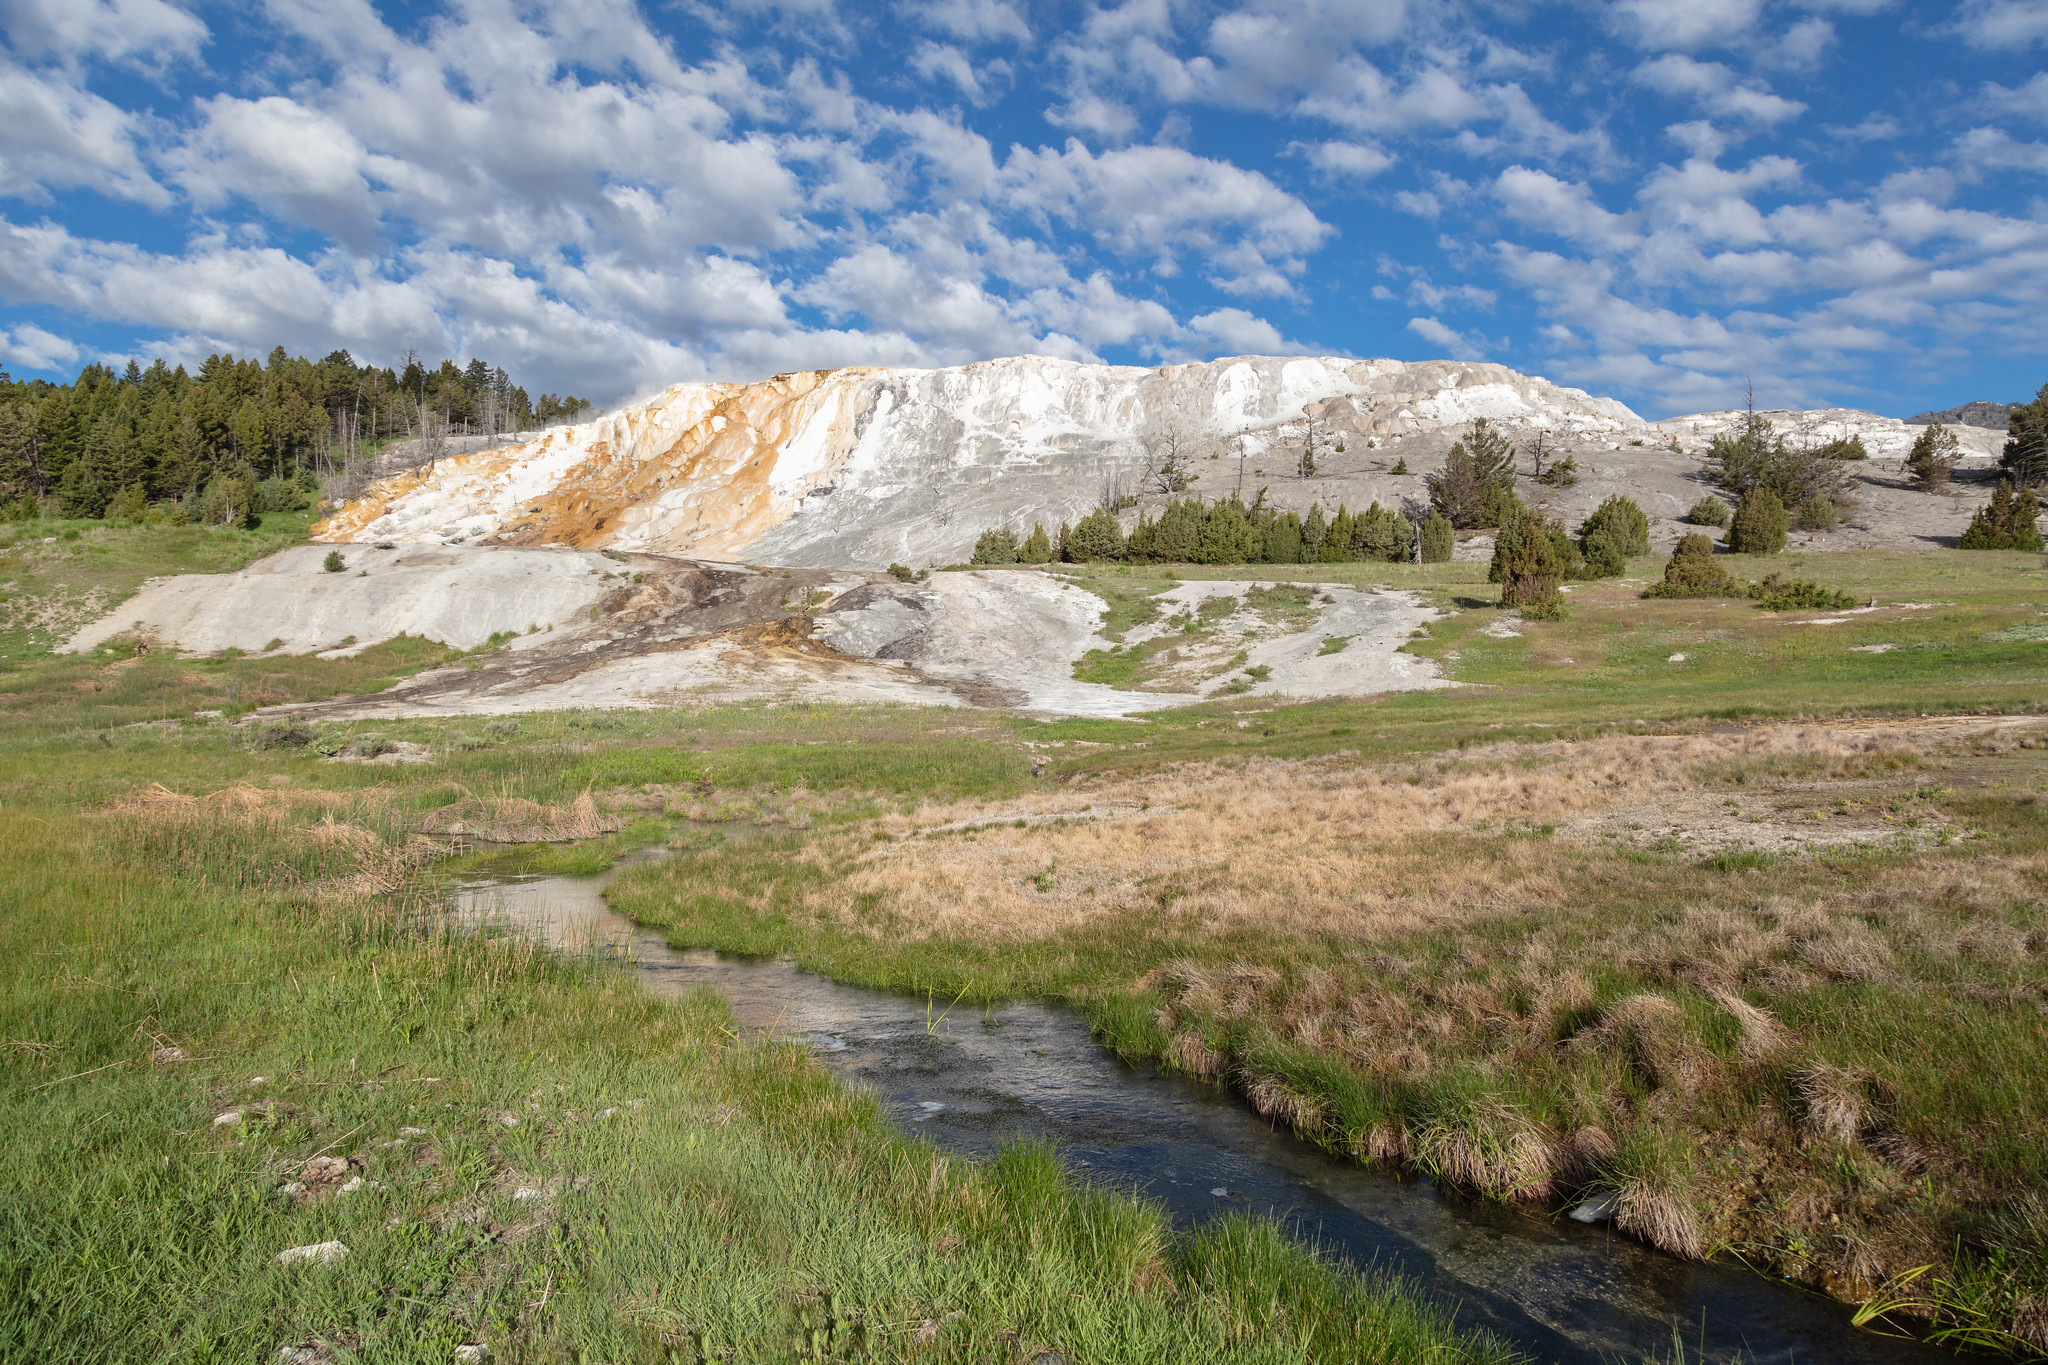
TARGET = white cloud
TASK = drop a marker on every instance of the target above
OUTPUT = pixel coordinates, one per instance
(54, 135)
(1562, 208)
(980, 21)
(1251, 235)
(1357, 161)
(1714, 87)
(146, 33)
(2027, 101)
(1683, 25)
(2003, 23)
(1454, 344)
(30, 347)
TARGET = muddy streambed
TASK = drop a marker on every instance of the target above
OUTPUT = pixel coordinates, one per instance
(970, 1081)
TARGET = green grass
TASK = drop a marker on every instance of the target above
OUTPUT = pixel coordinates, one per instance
(700, 1197)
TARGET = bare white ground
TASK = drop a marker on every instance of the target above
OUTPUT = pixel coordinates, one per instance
(1023, 631)
(1374, 626)
(710, 675)
(458, 597)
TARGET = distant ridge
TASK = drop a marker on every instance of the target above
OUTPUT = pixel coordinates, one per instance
(1981, 413)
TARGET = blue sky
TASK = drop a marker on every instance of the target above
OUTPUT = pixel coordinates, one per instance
(1839, 200)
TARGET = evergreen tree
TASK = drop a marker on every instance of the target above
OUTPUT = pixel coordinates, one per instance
(20, 473)
(1693, 572)
(1037, 548)
(1438, 539)
(1531, 568)
(2008, 523)
(1097, 537)
(1477, 479)
(2026, 442)
(996, 547)
(1933, 458)
(1617, 530)
(1760, 523)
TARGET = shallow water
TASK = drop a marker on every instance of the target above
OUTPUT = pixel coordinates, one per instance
(968, 1081)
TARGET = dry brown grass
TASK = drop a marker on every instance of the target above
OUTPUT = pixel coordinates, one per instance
(333, 844)
(1319, 846)
(516, 820)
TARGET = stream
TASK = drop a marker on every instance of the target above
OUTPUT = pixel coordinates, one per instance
(1559, 1290)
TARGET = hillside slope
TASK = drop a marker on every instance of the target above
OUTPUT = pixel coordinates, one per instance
(866, 467)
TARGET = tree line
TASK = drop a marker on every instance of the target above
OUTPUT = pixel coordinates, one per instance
(242, 435)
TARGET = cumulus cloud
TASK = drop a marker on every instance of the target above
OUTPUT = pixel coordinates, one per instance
(146, 33)
(33, 348)
(1683, 25)
(1454, 345)
(1715, 88)
(1157, 202)
(2003, 23)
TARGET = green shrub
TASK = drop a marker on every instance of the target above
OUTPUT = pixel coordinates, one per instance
(1037, 547)
(1760, 524)
(1846, 448)
(1815, 514)
(902, 573)
(1531, 565)
(1617, 530)
(2008, 523)
(1773, 594)
(1400, 466)
(334, 562)
(1693, 572)
(1561, 473)
(1708, 511)
(1438, 539)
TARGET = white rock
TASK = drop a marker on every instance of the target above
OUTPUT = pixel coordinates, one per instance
(472, 1354)
(1675, 659)
(509, 1119)
(864, 466)
(412, 1132)
(1599, 1209)
(526, 1194)
(227, 1119)
(292, 1189)
(319, 1253)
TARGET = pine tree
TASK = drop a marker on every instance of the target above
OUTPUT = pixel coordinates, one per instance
(1438, 539)
(2008, 523)
(1531, 568)
(1760, 524)
(2026, 442)
(1693, 572)
(1477, 479)
(1097, 537)
(995, 547)
(1617, 530)
(1037, 547)
(1933, 458)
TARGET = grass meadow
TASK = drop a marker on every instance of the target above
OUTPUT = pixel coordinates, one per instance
(1751, 938)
